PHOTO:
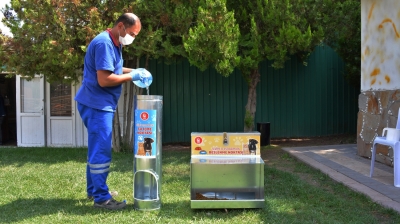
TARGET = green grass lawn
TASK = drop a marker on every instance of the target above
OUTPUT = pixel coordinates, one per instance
(47, 185)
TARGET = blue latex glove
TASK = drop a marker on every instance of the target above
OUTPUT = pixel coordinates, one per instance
(136, 74)
(141, 77)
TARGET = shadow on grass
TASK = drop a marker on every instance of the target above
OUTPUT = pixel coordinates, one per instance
(25, 209)
(121, 161)
(69, 209)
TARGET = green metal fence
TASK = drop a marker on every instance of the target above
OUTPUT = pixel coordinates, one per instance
(298, 101)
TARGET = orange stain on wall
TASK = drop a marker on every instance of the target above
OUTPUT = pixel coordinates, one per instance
(370, 10)
(366, 52)
(375, 72)
(394, 26)
(387, 78)
(373, 82)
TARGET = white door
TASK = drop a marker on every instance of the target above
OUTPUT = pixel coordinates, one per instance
(30, 111)
(60, 112)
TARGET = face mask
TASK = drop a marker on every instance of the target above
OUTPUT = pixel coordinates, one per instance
(128, 39)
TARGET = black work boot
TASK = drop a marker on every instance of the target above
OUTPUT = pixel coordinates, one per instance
(110, 204)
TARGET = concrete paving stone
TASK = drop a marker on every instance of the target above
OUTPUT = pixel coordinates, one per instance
(360, 178)
(379, 172)
(390, 204)
(350, 163)
(340, 177)
(360, 166)
(377, 195)
(388, 180)
(368, 181)
(395, 197)
(383, 167)
(358, 187)
(380, 190)
(391, 193)
(313, 156)
(368, 191)
(342, 164)
(377, 184)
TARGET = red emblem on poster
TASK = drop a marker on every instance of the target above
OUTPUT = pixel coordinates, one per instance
(198, 140)
(144, 116)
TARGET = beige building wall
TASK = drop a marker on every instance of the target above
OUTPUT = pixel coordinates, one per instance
(379, 100)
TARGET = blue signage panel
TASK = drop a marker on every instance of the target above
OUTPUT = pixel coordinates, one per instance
(145, 132)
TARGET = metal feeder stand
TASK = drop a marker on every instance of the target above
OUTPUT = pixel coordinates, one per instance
(226, 171)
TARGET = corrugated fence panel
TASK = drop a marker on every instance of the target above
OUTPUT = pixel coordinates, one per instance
(196, 101)
(312, 100)
(298, 101)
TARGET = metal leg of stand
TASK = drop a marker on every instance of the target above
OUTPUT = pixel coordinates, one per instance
(373, 153)
(396, 164)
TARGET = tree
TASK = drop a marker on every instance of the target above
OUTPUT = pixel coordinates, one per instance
(5, 43)
(50, 39)
(269, 29)
(165, 23)
(214, 39)
(343, 33)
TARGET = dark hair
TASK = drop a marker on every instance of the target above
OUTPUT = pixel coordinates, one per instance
(127, 20)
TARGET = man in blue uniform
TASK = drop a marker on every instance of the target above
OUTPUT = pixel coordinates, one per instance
(97, 99)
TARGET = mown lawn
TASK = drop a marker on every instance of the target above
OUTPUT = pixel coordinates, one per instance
(47, 185)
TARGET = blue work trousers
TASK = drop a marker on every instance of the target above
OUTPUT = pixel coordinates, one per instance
(99, 127)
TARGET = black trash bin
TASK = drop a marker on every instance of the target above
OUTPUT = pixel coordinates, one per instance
(264, 129)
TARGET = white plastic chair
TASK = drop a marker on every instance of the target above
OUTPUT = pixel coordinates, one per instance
(396, 157)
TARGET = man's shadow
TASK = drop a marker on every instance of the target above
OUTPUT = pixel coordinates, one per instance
(25, 209)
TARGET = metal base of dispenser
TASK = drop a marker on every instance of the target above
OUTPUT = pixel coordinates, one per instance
(146, 184)
(146, 205)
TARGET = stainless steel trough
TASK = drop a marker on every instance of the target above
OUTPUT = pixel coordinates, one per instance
(226, 171)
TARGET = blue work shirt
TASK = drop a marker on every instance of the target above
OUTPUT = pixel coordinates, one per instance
(102, 54)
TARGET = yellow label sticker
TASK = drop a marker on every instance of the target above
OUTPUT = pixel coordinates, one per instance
(225, 144)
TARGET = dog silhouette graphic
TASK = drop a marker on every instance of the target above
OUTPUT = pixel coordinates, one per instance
(147, 146)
